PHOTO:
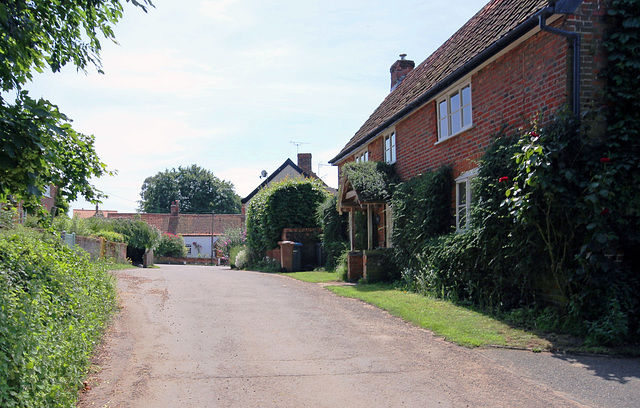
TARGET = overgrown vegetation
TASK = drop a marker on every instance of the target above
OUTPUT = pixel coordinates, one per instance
(373, 181)
(139, 236)
(171, 245)
(54, 305)
(335, 237)
(290, 203)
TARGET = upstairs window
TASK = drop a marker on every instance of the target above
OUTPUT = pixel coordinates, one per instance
(390, 148)
(362, 156)
(454, 112)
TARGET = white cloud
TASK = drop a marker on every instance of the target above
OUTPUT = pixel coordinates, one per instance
(217, 10)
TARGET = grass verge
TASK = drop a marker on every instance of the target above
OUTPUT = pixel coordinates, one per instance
(456, 324)
(314, 276)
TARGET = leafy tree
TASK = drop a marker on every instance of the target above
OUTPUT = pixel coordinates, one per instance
(39, 146)
(197, 189)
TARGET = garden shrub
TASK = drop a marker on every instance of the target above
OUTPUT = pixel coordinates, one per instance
(54, 305)
(290, 203)
(110, 236)
(242, 258)
(233, 253)
(335, 234)
(421, 211)
(374, 181)
(172, 246)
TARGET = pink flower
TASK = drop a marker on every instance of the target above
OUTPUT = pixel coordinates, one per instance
(605, 160)
(503, 179)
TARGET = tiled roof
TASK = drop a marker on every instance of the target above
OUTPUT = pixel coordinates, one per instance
(488, 26)
(188, 224)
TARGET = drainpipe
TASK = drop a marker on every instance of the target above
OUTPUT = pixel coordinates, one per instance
(576, 59)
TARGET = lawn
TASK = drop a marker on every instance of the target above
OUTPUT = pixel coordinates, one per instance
(314, 276)
(456, 324)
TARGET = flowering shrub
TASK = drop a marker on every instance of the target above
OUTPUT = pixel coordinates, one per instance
(172, 246)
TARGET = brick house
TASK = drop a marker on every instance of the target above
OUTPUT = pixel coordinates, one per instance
(196, 229)
(287, 169)
(512, 61)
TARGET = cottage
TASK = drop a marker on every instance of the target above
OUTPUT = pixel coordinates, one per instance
(513, 60)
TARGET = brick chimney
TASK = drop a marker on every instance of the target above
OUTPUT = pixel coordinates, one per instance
(399, 70)
(304, 162)
(174, 218)
(175, 208)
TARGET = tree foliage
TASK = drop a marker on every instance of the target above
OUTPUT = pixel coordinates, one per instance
(39, 146)
(197, 190)
(290, 203)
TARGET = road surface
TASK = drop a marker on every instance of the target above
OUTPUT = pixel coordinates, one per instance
(198, 336)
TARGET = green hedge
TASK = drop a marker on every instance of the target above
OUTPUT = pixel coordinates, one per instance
(290, 203)
(54, 304)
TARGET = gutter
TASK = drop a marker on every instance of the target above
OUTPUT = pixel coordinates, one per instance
(536, 20)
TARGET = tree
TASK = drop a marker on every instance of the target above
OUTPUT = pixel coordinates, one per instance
(39, 146)
(197, 190)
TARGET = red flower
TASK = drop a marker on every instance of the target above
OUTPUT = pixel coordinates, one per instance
(503, 179)
(605, 211)
(605, 160)
(534, 134)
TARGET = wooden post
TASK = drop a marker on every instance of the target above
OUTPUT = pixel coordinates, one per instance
(351, 230)
(369, 227)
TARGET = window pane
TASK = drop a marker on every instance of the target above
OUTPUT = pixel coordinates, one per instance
(466, 116)
(462, 218)
(466, 95)
(455, 122)
(455, 102)
(444, 128)
(462, 193)
(443, 110)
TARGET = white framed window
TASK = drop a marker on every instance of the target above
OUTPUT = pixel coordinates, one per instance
(362, 156)
(390, 147)
(464, 198)
(454, 111)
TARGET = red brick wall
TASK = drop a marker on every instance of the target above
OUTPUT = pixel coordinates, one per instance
(532, 79)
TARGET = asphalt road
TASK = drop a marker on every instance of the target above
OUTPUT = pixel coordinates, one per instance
(195, 336)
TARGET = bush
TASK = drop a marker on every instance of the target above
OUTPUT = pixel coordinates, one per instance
(110, 236)
(54, 305)
(290, 203)
(335, 235)
(421, 211)
(233, 253)
(242, 259)
(172, 246)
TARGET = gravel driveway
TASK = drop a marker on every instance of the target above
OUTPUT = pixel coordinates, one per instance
(197, 336)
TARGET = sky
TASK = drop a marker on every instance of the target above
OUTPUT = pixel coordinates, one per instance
(239, 86)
